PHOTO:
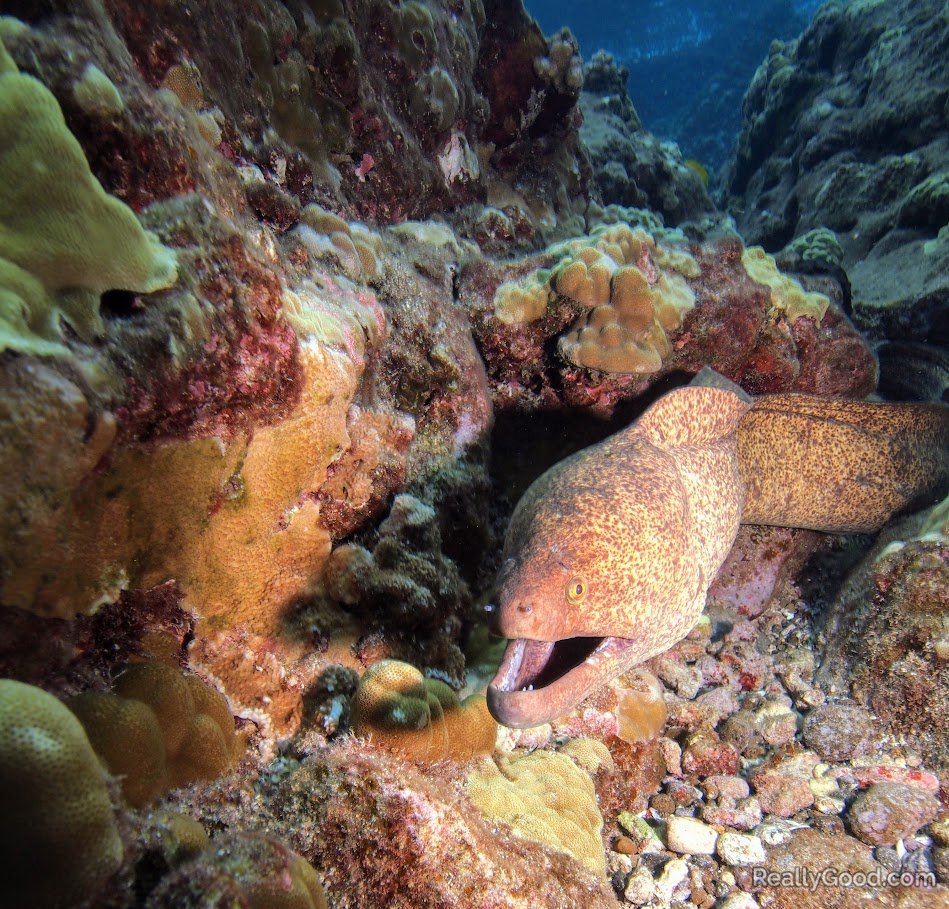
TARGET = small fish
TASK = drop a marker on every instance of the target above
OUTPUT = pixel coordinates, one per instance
(698, 168)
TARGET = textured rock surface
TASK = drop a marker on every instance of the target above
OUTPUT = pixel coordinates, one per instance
(631, 166)
(844, 128)
(887, 812)
(885, 636)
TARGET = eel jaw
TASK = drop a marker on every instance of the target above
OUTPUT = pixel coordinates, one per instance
(539, 681)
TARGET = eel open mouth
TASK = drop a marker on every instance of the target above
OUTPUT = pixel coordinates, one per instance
(538, 681)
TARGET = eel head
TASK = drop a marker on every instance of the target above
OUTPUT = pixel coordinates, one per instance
(593, 574)
(609, 554)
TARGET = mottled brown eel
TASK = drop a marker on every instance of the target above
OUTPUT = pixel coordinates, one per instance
(610, 553)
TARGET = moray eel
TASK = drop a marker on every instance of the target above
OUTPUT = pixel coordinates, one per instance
(610, 553)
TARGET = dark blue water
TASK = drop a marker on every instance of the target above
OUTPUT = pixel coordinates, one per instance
(689, 62)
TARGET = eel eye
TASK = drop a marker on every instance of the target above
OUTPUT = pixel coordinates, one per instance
(576, 590)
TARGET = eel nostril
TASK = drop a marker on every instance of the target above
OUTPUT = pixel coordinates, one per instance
(525, 608)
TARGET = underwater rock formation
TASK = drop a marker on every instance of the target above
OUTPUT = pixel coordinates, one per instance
(844, 128)
(886, 637)
(631, 166)
(255, 343)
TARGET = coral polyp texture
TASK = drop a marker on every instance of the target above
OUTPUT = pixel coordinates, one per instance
(632, 295)
(159, 728)
(65, 240)
(397, 708)
(59, 832)
(544, 796)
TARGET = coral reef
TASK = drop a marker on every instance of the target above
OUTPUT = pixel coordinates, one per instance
(60, 837)
(841, 130)
(268, 274)
(159, 728)
(395, 707)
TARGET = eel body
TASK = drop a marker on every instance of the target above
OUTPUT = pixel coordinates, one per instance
(610, 553)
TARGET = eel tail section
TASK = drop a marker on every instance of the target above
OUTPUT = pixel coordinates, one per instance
(840, 466)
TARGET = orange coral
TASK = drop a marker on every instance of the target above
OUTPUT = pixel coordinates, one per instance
(159, 728)
(398, 708)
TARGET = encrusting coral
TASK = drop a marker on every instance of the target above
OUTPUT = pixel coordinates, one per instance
(58, 835)
(159, 728)
(396, 707)
(786, 294)
(65, 241)
(544, 796)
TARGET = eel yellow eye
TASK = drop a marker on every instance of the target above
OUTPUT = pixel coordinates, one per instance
(576, 590)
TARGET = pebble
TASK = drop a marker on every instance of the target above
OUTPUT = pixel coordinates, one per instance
(722, 786)
(887, 812)
(783, 788)
(690, 836)
(640, 887)
(683, 793)
(740, 849)
(707, 755)
(625, 846)
(739, 731)
(684, 680)
(829, 804)
(941, 864)
(671, 755)
(839, 732)
(777, 723)
(744, 816)
(940, 832)
(738, 901)
(674, 872)
(777, 831)
(888, 857)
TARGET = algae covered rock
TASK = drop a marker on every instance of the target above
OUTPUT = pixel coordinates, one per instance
(843, 129)
(65, 240)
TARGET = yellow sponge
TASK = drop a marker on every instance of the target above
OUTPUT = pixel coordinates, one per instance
(58, 835)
